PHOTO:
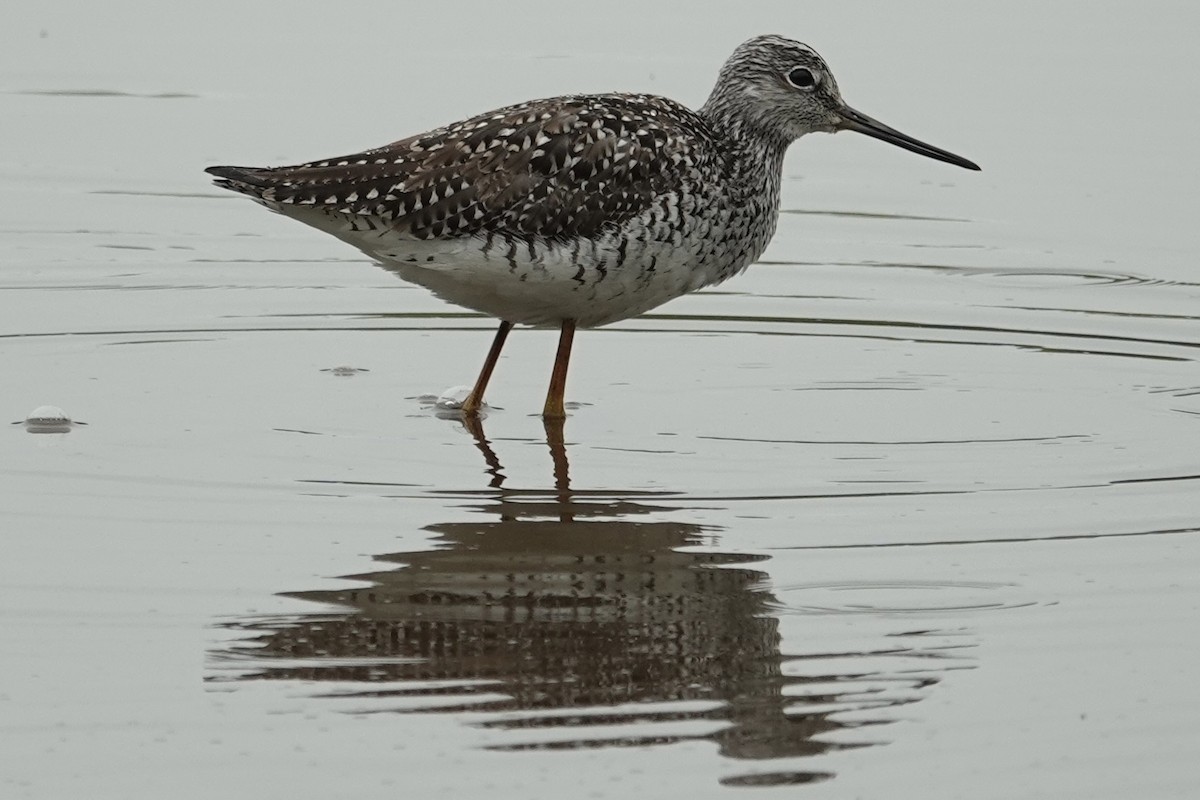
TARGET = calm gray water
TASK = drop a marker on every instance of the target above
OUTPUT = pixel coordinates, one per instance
(908, 510)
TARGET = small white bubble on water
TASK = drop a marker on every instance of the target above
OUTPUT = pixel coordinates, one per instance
(48, 419)
(448, 404)
(47, 415)
(453, 398)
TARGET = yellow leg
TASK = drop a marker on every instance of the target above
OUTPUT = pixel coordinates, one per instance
(558, 378)
(471, 405)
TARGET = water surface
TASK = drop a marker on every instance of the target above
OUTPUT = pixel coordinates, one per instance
(910, 507)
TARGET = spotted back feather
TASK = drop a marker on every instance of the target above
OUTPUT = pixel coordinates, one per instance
(560, 168)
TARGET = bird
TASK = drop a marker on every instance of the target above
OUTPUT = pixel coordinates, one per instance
(580, 210)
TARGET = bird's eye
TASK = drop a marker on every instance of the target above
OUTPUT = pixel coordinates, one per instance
(802, 78)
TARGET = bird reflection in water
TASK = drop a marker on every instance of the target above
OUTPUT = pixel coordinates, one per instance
(567, 610)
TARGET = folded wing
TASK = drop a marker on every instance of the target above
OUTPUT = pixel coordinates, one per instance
(559, 168)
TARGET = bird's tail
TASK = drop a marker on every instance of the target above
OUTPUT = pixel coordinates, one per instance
(246, 180)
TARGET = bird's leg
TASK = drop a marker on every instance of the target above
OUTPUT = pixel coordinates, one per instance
(471, 405)
(558, 378)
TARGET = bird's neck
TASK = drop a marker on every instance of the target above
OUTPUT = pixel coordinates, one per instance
(753, 150)
(752, 155)
(732, 117)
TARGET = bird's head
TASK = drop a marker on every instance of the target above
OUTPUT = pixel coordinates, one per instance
(784, 89)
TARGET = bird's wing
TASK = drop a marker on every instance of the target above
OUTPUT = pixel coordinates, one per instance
(559, 168)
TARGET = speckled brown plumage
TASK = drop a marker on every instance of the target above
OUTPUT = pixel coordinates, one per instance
(558, 168)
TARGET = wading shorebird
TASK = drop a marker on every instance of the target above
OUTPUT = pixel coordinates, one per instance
(582, 210)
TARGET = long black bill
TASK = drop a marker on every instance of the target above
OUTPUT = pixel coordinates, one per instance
(856, 121)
